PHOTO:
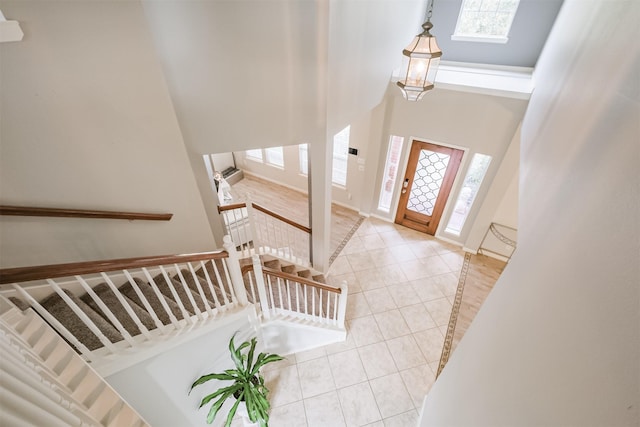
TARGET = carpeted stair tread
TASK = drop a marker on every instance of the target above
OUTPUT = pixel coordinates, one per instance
(319, 278)
(304, 273)
(273, 264)
(164, 288)
(152, 298)
(107, 296)
(290, 269)
(214, 278)
(59, 309)
(191, 282)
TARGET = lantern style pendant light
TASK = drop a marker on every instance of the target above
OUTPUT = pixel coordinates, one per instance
(420, 62)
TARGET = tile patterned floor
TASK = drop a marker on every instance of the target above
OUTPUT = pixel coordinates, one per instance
(401, 288)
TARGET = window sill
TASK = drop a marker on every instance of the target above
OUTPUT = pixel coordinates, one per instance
(480, 39)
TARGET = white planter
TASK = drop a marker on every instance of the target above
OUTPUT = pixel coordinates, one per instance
(244, 415)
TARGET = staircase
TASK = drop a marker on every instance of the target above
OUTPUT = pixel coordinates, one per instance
(116, 313)
(64, 328)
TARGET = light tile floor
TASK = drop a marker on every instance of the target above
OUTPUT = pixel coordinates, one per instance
(401, 288)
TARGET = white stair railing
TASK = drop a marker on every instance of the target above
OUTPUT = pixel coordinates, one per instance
(255, 229)
(286, 295)
(132, 302)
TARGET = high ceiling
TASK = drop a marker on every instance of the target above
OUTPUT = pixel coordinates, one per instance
(529, 31)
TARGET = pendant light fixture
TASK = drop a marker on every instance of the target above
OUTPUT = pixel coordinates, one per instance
(420, 62)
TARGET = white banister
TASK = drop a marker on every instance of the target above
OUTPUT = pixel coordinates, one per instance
(144, 301)
(187, 291)
(235, 274)
(203, 268)
(342, 302)
(112, 318)
(185, 313)
(262, 291)
(220, 282)
(81, 314)
(161, 298)
(196, 280)
(227, 277)
(143, 329)
(257, 241)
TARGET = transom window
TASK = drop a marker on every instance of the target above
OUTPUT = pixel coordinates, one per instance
(485, 20)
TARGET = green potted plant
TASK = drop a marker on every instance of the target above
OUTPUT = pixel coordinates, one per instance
(248, 384)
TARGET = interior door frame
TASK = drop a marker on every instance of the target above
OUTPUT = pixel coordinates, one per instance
(406, 154)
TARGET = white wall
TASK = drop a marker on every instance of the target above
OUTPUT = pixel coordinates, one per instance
(87, 122)
(557, 341)
(289, 175)
(493, 197)
(507, 210)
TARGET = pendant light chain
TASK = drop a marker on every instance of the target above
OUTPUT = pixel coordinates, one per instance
(430, 10)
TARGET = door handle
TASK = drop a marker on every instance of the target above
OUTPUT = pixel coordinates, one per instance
(405, 184)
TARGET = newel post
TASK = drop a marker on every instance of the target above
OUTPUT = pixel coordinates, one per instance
(342, 303)
(252, 225)
(234, 270)
(262, 289)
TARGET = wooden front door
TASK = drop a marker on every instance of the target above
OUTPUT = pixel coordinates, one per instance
(431, 170)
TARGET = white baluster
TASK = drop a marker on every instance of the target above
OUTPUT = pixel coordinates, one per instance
(185, 313)
(187, 291)
(161, 298)
(342, 309)
(145, 302)
(262, 292)
(235, 274)
(306, 301)
(112, 318)
(255, 237)
(279, 285)
(143, 329)
(203, 268)
(196, 279)
(81, 314)
(220, 282)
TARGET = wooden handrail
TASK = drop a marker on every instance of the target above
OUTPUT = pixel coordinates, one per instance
(81, 213)
(25, 274)
(266, 211)
(231, 207)
(293, 278)
(281, 218)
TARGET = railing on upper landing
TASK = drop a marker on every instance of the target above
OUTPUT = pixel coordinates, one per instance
(256, 230)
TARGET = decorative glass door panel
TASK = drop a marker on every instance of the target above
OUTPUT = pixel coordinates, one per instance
(427, 181)
(431, 170)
